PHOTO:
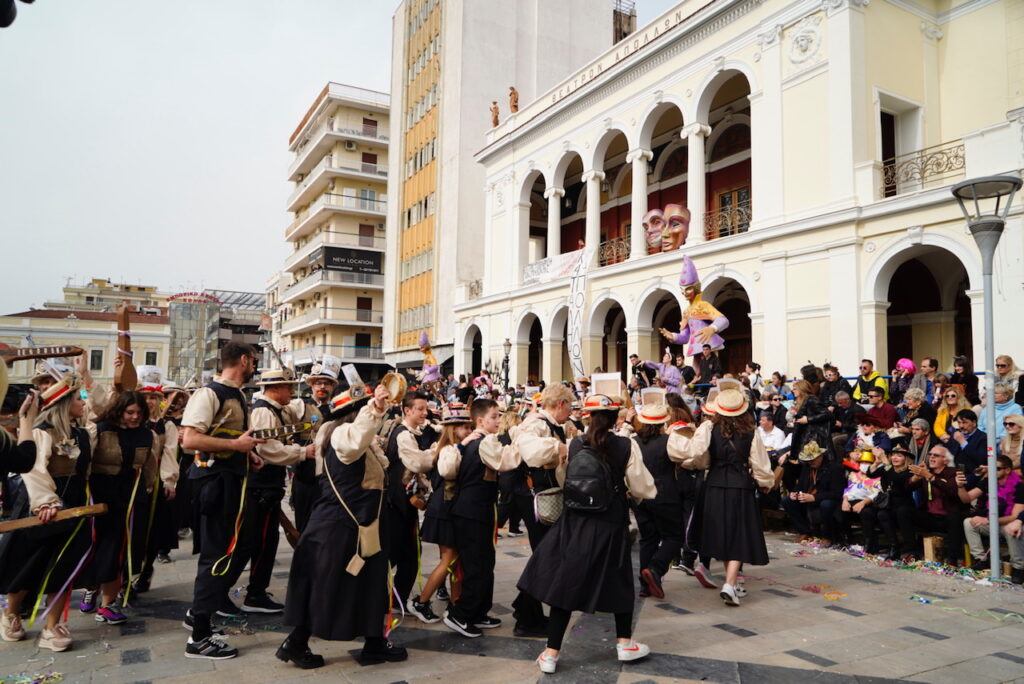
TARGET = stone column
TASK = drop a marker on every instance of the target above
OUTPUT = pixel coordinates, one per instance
(696, 202)
(875, 330)
(637, 241)
(591, 352)
(520, 242)
(847, 94)
(638, 341)
(551, 359)
(593, 179)
(553, 195)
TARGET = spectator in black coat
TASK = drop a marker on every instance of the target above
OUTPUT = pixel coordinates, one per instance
(816, 495)
(833, 384)
(968, 444)
(844, 420)
(964, 375)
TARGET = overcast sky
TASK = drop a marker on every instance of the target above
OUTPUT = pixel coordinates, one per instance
(140, 140)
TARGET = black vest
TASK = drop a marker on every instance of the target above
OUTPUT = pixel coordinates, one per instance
(398, 476)
(348, 478)
(476, 487)
(237, 463)
(269, 476)
(730, 461)
(544, 478)
(655, 453)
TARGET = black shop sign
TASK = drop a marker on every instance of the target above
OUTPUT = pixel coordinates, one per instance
(348, 260)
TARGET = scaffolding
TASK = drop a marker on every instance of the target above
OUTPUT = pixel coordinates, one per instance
(191, 315)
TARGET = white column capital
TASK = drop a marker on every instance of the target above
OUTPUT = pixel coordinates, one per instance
(695, 128)
(833, 6)
(639, 153)
(593, 174)
(554, 192)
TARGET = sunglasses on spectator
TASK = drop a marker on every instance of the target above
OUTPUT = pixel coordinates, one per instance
(935, 453)
(776, 399)
(1002, 365)
(1002, 468)
(864, 367)
(1009, 424)
(952, 396)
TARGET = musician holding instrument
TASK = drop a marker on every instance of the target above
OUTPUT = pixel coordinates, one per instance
(46, 559)
(216, 425)
(271, 408)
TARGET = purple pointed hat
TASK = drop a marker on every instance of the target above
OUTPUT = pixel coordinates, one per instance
(424, 340)
(688, 276)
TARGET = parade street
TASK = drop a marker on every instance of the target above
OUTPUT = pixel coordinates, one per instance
(817, 616)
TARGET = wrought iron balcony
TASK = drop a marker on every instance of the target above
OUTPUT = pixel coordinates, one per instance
(727, 221)
(925, 168)
(613, 251)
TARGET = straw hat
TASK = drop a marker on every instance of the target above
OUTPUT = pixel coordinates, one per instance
(41, 372)
(350, 400)
(811, 451)
(454, 413)
(277, 376)
(729, 402)
(601, 402)
(71, 384)
(653, 414)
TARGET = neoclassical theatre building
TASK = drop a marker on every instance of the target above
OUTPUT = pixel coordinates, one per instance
(814, 143)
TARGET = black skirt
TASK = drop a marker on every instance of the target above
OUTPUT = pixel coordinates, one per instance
(731, 526)
(114, 548)
(437, 526)
(323, 596)
(583, 563)
(49, 552)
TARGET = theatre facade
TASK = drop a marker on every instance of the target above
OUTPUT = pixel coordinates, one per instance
(814, 144)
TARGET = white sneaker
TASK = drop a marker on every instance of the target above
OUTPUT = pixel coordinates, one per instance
(740, 590)
(547, 663)
(728, 594)
(10, 627)
(57, 639)
(634, 650)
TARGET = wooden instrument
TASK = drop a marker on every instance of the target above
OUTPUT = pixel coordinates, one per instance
(32, 521)
(124, 374)
(11, 354)
(202, 459)
(291, 533)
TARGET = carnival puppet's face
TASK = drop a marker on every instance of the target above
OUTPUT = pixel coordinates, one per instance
(678, 218)
(654, 222)
(691, 292)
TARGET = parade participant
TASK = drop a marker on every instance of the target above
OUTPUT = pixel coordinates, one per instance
(660, 520)
(409, 453)
(262, 515)
(322, 381)
(47, 559)
(701, 322)
(690, 484)
(584, 562)
(511, 482)
(18, 455)
(338, 583)
(161, 530)
(667, 372)
(541, 443)
(474, 465)
(437, 525)
(738, 464)
(175, 397)
(220, 469)
(123, 463)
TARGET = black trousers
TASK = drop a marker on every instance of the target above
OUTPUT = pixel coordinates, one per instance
(804, 515)
(403, 547)
(260, 536)
(474, 540)
(216, 499)
(560, 622)
(661, 534)
(951, 526)
(528, 611)
(304, 493)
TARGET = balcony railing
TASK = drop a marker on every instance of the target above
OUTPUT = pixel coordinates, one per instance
(305, 355)
(613, 251)
(926, 168)
(343, 165)
(338, 201)
(332, 237)
(325, 276)
(327, 127)
(727, 221)
(330, 314)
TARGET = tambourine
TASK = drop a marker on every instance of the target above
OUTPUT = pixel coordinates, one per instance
(396, 386)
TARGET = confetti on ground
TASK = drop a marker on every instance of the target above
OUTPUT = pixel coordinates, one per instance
(956, 609)
(800, 553)
(48, 677)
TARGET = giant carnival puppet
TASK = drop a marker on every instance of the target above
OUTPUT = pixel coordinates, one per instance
(701, 322)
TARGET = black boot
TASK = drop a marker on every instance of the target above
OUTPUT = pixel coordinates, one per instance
(379, 650)
(301, 656)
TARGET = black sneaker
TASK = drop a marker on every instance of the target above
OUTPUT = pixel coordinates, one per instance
(463, 628)
(422, 611)
(1017, 575)
(381, 651)
(210, 648)
(230, 610)
(303, 658)
(190, 624)
(141, 584)
(261, 604)
(652, 582)
(487, 622)
(442, 593)
(529, 632)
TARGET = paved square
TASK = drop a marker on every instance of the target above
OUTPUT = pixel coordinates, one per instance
(829, 617)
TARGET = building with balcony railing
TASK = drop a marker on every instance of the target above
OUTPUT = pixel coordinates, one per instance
(814, 145)
(330, 291)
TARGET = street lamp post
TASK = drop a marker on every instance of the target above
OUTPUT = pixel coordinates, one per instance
(987, 228)
(507, 346)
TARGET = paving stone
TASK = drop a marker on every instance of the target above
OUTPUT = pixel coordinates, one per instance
(135, 656)
(733, 629)
(845, 611)
(924, 632)
(811, 658)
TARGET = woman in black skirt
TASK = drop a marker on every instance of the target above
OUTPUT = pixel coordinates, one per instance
(437, 525)
(338, 584)
(584, 562)
(46, 559)
(738, 464)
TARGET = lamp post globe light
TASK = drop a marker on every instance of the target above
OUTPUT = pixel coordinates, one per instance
(981, 201)
(507, 346)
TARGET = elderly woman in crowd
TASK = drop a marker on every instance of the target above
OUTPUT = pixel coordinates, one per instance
(921, 440)
(953, 402)
(1007, 371)
(1010, 445)
(1005, 406)
(915, 408)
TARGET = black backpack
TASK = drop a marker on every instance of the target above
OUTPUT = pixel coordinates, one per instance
(588, 482)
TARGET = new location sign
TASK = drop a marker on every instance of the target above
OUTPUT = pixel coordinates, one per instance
(349, 260)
